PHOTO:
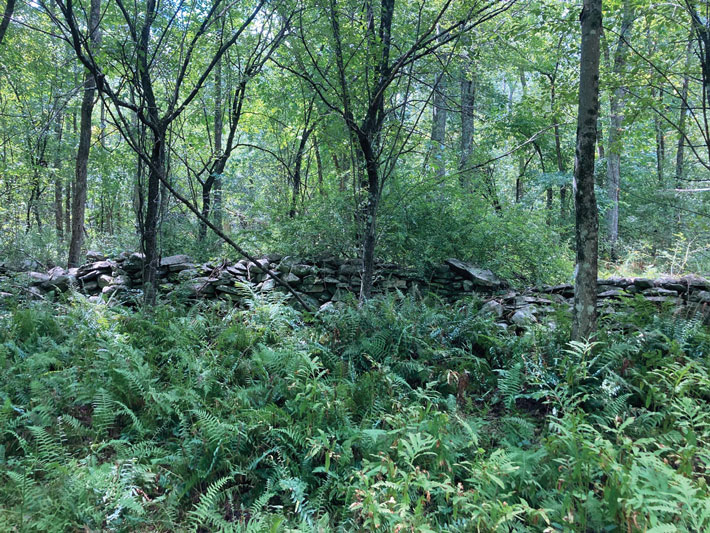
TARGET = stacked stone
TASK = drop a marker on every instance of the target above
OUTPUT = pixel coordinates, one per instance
(333, 280)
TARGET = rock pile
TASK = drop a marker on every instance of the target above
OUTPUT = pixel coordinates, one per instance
(332, 280)
(320, 281)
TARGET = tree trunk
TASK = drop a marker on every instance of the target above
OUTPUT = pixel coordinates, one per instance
(370, 237)
(58, 185)
(150, 231)
(680, 152)
(468, 97)
(586, 221)
(319, 166)
(218, 114)
(616, 107)
(660, 140)
(438, 126)
(82, 156)
(6, 16)
(296, 178)
(558, 152)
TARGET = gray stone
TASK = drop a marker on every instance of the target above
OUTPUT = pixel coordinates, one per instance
(566, 289)
(176, 263)
(700, 296)
(348, 270)
(492, 308)
(643, 283)
(37, 278)
(695, 282)
(229, 289)
(121, 279)
(30, 264)
(61, 283)
(658, 291)
(314, 288)
(660, 299)
(672, 284)
(612, 293)
(56, 272)
(291, 278)
(327, 307)
(393, 283)
(104, 280)
(201, 286)
(301, 270)
(480, 277)
(525, 315)
(268, 285)
(110, 290)
(615, 281)
(90, 286)
(134, 262)
(185, 275)
(93, 256)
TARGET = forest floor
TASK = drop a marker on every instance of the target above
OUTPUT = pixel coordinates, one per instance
(404, 415)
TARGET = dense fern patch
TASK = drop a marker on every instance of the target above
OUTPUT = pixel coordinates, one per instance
(400, 416)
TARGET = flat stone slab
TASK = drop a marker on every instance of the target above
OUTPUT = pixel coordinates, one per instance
(479, 276)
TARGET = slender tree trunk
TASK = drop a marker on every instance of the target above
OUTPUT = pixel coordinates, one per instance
(67, 206)
(82, 156)
(600, 139)
(613, 172)
(586, 221)
(468, 98)
(218, 119)
(298, 164)
(660, 140)
(6, 16)
(558, 153)
(150, 231)
(467, 84)
(58, 185)
(319, 166)
(680, 152)
(438, 126)
(616, 108)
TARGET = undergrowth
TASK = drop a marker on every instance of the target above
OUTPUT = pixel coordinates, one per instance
(400, 416)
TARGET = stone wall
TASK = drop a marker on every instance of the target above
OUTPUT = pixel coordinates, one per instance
(331, 280)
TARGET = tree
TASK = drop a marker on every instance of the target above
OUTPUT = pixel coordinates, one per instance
(365, 77)
(616, 106)
(586, 218)
(151, 38)
(6, 17)
(82, 155)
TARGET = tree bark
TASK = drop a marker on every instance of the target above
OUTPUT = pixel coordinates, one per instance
(680, 152)
(616, 108)
(468, 98)
(298, 164)
(558, 152)
(218, 114)
(586, 222)
(660, 141)
(150, 230)
(82, 156)
(6, 16)
(438, 126)
(58, 185)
